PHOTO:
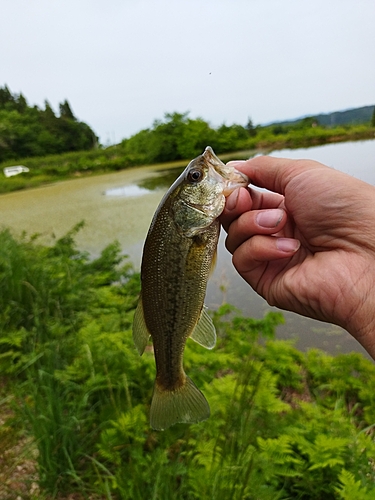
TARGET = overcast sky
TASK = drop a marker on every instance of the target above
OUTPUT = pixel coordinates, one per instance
(123, 63)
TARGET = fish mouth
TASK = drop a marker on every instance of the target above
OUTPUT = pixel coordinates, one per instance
(238, 180)
(229, 176)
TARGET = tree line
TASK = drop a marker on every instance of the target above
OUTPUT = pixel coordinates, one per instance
(30, 131)
(27, 131)
(180, 137)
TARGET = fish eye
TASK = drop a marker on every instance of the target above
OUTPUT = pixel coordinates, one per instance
(195, 176)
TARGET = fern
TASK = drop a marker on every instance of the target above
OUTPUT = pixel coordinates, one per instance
(326, 451)
(278, 457)
(350, 489)
(284, 424)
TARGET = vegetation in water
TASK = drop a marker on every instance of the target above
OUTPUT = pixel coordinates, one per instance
(74, 396)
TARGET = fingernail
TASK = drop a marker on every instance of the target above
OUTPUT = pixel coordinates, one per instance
(269, 218)
(236, 163)
(287, 244)
(232, 200)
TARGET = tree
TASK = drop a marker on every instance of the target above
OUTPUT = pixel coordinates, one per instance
(195, 137)
(250, 128)
(31, 131)
(163, 145)
(66, 112)
(373, 118)
(21, 103)
(307, 122)
(5, 96)
(48, 111)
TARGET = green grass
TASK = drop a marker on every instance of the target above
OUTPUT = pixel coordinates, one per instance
(54, 168)
(313, 136)
(284, 424)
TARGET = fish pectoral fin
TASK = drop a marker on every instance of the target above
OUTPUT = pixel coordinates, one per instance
(204, 332)
(141, 334)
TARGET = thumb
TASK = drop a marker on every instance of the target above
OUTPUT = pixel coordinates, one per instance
(272, 173)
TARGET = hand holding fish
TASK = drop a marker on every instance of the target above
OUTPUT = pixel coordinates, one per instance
(308, 244)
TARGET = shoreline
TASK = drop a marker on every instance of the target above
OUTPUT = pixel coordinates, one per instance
(45, 170)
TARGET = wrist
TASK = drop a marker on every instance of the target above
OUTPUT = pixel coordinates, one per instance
(361, 323)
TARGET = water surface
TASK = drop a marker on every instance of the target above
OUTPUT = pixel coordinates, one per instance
(121, 205)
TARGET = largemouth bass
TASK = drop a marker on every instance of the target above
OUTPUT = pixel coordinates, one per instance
(178, 255)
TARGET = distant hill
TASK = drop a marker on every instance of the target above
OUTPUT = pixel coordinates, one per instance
(346, 117)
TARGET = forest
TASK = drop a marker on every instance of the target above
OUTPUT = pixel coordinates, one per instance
(30, 131)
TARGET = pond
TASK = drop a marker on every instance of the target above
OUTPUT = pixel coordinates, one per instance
(121, 205)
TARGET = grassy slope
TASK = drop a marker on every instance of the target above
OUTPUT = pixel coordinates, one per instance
(284, 424)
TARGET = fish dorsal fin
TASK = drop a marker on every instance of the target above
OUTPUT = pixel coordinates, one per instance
(141, 334)
(204, 332)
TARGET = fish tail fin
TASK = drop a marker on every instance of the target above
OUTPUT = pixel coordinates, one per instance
(185, 404)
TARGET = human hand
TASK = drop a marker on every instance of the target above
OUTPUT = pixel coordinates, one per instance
(307, 246)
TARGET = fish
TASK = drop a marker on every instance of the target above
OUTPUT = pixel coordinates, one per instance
(179, 254)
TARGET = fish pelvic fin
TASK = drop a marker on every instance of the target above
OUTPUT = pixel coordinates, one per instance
(186, 404)
(204, 332)
(141, 334)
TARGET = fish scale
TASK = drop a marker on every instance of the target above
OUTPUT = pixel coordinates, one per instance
(178, 256)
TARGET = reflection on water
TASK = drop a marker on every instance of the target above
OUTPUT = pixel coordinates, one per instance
(131, 190)
(164, 179)
(125, 213)
(161, 178)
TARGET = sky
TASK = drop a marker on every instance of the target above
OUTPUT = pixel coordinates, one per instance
(122, 64)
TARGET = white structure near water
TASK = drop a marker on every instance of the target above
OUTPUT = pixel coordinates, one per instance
(17, 169)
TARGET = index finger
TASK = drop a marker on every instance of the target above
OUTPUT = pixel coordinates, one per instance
(245, 199)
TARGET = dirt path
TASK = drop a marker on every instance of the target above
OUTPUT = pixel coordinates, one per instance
(18, 476)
